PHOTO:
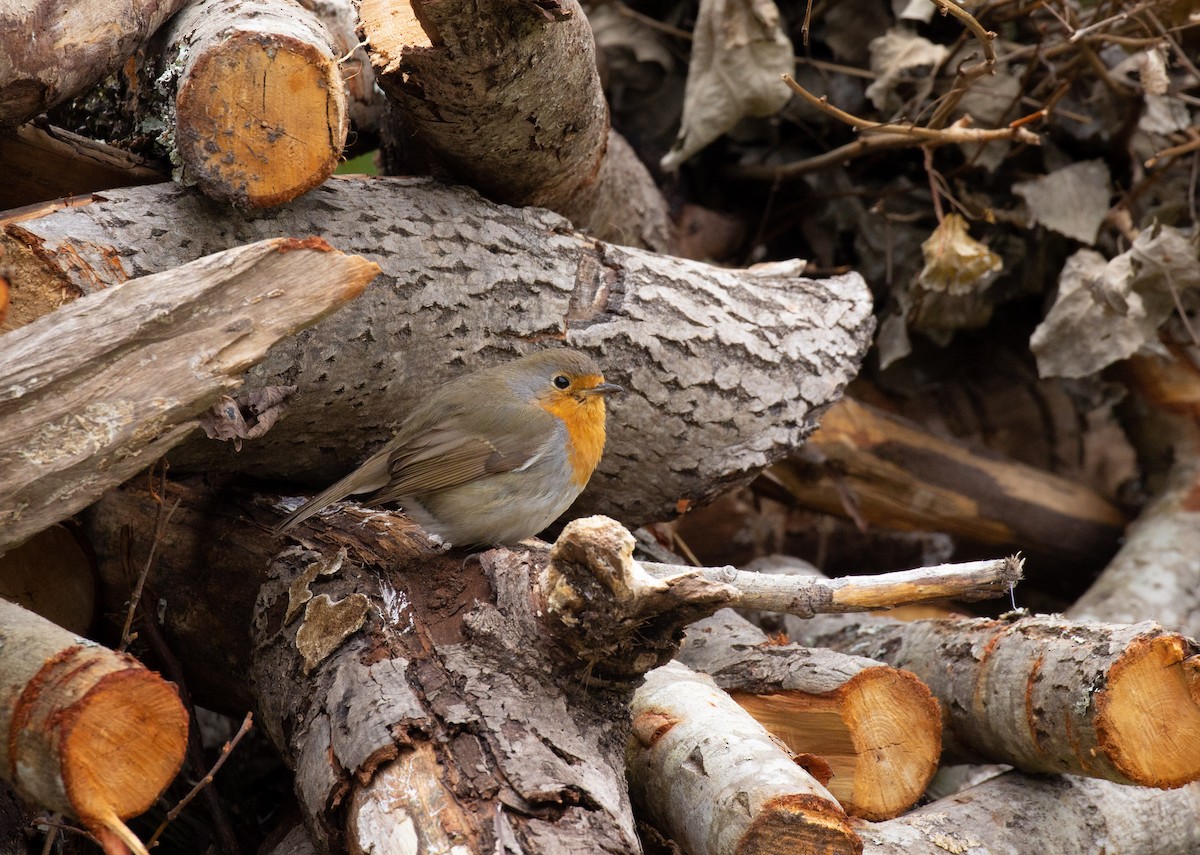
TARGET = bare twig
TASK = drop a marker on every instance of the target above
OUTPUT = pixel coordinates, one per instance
(1174, 151)
(226, 750)
(959, 132)
(160, 527)
(805, 596)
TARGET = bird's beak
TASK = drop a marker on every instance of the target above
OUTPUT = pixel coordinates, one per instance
(606, 389)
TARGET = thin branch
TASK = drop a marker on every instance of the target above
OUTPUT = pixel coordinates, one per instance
(959, 132)
(805, 596)
(160, 528)
(226, 750)
(1174, 151)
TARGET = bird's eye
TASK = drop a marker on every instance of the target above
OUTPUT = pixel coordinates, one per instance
(561, 382)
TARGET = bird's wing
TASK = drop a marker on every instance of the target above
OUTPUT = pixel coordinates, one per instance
(448, 453)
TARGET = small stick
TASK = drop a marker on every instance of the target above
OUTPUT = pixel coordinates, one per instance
(226, 750)
(805, 596)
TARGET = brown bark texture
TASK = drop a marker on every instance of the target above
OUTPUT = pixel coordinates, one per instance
(255, 109)
(84, 730)
(76, 45)
(47, 164)
(711, 777)
(886, 471)
(506, 96)
(878, 728)
(726, 370)
(1044, 694)
(1016, 814)
(101, 388)
(403, 683)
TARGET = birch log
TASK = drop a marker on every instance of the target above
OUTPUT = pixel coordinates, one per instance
(877, 727)
(712, 778)
(727, 370)
(84, 730)
(1045, 694)
(1016, 814)
(100, 389)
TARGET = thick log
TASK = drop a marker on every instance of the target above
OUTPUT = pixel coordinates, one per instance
(256, 112)
(1016, 814)
(711, 777)
(44, 164)
(893, 473)
(84, 731)
(633, 619)
(726, 370)
(506, 96)
(877, 727)
(1046, 694)
(76, 45)
(52, 576)
(98, 390)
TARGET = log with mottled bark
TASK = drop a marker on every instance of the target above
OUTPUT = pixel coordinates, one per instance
(255, 110)
(1046, 694)
(877, 727)
(1156, 574)
(84, 731)
(506, 96)
(103, 387)
(886, 471)
(41, 165)
(51, 50)
(726, 370)
(711, 777)
(1016, 814)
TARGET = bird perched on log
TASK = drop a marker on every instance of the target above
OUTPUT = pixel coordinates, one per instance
(491, 457)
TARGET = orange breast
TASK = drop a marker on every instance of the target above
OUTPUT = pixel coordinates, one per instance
(585, 427)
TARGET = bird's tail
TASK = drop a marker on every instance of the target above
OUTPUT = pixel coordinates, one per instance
(370, 476)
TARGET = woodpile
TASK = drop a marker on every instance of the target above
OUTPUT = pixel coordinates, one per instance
(200, 322)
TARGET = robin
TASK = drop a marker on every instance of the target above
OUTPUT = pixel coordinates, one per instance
(491, 457)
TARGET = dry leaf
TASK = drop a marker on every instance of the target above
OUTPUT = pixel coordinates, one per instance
(955, 262)
(739, 52)
(1109, 310)
(1071, 201)
(225, 421)
(895, 57)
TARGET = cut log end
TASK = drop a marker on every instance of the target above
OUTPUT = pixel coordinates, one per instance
(799, 823)
(391, 28)
(124, 745)
(261, 120)
(1149, 713)
(880, 733)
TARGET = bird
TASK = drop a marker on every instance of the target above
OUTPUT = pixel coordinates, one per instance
(491, 457)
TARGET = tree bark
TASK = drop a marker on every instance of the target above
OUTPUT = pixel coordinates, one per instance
(506, 96)
(1046, 694)
(712, 778)
(76, 46)
(1156, 574)
(85, 731)
(256, 108)
(877, 727)
(726, 370)
(100, 389)
(47, 164)
(883, 470)
(1016, 814)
